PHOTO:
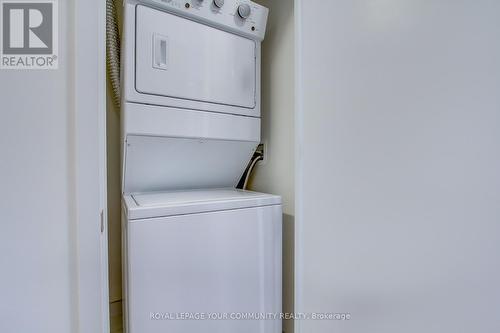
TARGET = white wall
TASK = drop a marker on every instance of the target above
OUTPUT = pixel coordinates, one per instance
(48, 266)
(277, 174)
(398, 166)
(37, 241)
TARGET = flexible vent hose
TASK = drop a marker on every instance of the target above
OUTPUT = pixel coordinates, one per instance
(250, 169)
(113, 50)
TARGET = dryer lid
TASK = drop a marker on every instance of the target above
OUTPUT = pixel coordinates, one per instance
(169, 203)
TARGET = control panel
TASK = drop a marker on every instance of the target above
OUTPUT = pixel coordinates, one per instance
(242, 17)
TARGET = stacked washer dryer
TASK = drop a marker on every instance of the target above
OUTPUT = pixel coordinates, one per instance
(192, 243)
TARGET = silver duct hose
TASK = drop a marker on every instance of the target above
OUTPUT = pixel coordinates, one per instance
(113, 51)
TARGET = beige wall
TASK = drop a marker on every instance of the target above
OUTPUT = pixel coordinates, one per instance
(276, 175)
(114, 208)
(114, 192)
(114, 201)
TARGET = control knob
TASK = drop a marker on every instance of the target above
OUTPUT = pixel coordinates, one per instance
(244, 10)
(219, 3)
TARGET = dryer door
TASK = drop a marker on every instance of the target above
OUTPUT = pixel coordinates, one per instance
(182, 59)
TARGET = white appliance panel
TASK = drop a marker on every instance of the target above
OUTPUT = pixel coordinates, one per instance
(154, 120)
(180, 58)
(169, 203)
(217, 262)
(225, 16)
(163, 163)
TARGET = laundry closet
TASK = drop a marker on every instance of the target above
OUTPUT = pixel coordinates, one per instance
(190, 131)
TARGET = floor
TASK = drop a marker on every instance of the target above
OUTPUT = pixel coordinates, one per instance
(116, 321)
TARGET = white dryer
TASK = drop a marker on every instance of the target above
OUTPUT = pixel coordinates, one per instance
(191, 92)
(192, 244)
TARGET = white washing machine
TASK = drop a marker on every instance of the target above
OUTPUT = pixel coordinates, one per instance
(213, 253)
(193, 245)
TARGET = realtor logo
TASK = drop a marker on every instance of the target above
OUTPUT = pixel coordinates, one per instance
(29, 34)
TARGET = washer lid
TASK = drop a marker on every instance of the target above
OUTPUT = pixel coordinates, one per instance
(160, 204)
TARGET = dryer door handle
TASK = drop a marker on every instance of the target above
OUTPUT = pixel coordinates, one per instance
(160, 51)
